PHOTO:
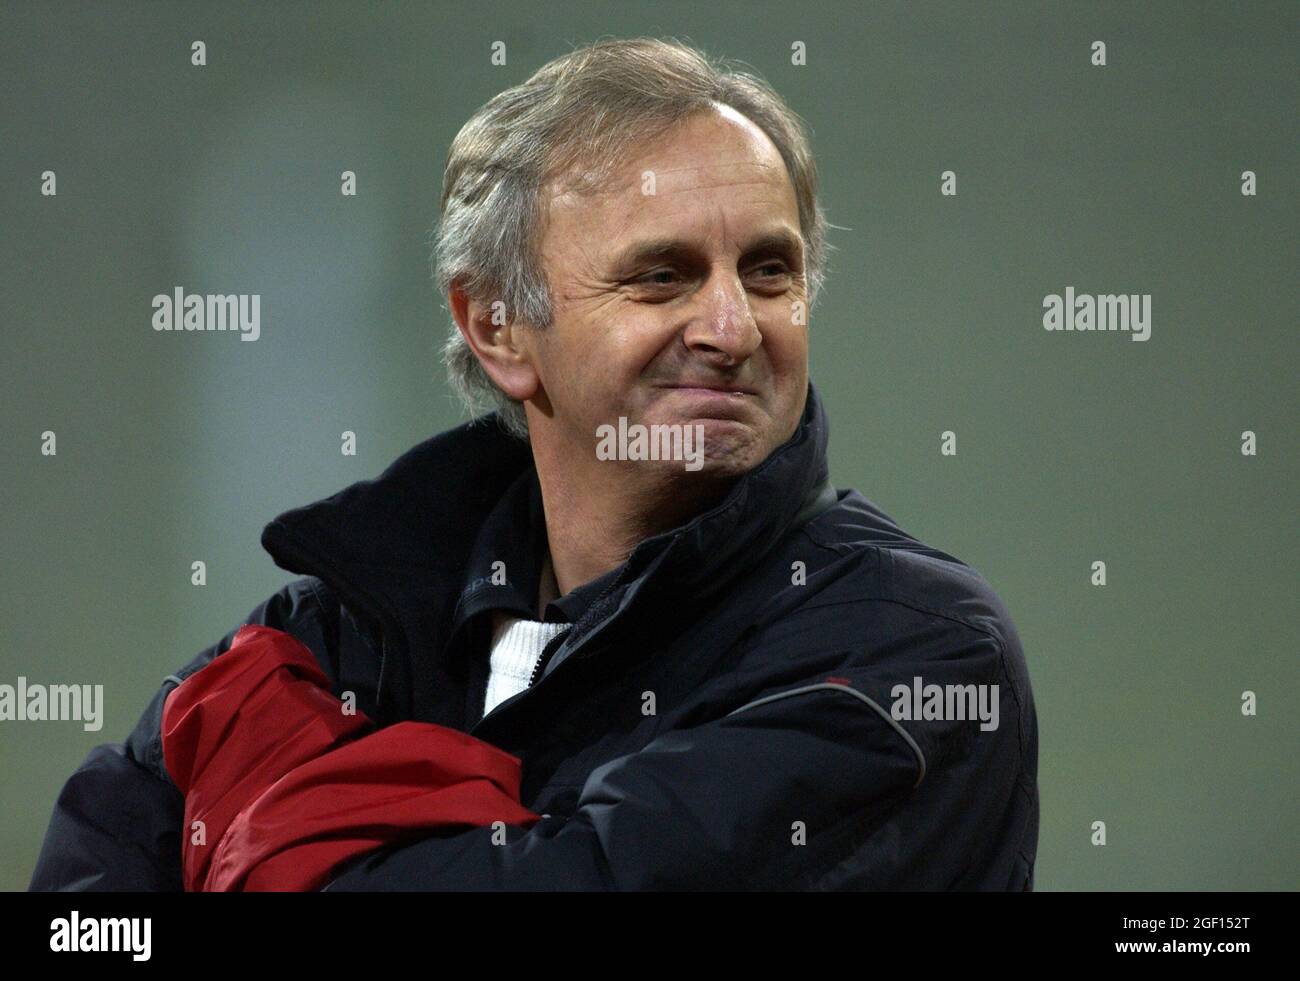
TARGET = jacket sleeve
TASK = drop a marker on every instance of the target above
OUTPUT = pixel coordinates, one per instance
(117, 821)
(774, 793)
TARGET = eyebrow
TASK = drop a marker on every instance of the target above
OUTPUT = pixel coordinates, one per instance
(781, 241)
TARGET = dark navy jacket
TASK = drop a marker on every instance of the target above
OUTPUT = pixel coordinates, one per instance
(721, 715)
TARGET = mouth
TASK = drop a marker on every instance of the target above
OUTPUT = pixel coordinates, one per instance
(719, 401)
(711, 388)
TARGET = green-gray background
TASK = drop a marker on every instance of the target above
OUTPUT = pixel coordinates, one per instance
(1071, 447)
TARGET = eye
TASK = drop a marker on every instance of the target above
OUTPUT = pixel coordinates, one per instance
(773, 269)
(646, 279)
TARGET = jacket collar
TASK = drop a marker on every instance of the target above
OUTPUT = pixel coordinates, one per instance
(401, 543)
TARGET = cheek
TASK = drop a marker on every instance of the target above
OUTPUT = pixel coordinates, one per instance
(628, 346)
(586, 372)
(787, 346)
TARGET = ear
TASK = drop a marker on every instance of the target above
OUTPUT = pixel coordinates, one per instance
(497, 342)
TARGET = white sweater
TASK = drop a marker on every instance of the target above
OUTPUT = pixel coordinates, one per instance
(516, 647)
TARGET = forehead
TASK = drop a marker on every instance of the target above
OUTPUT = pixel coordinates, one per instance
(713, 168)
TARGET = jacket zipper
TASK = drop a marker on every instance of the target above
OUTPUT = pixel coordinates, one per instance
(547, 653)
(553, 648)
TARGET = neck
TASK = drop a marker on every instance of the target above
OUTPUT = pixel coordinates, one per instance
(598, 511)
(548, 589)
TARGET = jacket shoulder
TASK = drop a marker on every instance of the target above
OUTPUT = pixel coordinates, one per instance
(880, 604)
(892, 620)
(869, 559)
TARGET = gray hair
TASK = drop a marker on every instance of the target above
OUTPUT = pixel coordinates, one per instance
(574, 120)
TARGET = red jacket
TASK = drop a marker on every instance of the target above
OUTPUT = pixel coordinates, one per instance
(281, 785)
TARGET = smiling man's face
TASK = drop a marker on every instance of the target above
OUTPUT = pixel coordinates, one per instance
(679, 306)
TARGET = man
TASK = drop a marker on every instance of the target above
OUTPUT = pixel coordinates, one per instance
(719, 675)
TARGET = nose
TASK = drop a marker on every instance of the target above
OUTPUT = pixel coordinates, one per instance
(724, 330)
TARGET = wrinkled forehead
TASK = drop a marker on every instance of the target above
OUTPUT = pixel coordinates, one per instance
(672, 182)
(711, 149)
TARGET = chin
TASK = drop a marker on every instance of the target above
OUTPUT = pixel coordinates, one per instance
(731, 449)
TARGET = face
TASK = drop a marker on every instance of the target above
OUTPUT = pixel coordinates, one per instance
(679, 298)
